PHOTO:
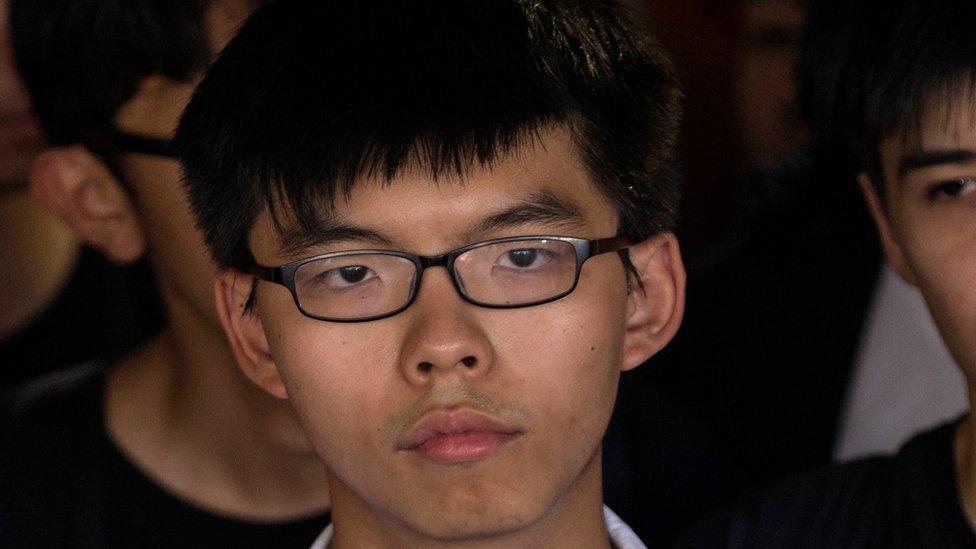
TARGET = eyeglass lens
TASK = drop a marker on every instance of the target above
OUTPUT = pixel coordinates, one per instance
(364, 285)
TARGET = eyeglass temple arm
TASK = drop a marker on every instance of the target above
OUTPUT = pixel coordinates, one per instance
(611, 244)
(270, 274)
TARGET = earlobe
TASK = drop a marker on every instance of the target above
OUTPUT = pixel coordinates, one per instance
(657, 298)
(245, 332)
(76, 186)
(890, 245)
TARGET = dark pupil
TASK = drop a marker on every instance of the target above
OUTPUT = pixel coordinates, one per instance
(522, 258)
(353, 274)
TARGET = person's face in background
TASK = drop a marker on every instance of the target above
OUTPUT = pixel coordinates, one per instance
(735, 61)
(766, 95)
(147, 212)
(927, 218)
(20, 137)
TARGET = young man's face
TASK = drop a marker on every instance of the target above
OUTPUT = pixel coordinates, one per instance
(928, 220)
(451, 420)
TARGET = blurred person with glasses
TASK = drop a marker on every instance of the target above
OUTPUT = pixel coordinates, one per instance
(170, 445)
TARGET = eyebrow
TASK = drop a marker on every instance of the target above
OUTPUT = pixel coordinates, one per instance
(926, 159)
(545, 207)
(326, 230)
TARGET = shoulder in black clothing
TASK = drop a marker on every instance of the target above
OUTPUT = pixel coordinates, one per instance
(751, 389)
(63, 483)
(773, 320)
(48, 431)
(907, 500)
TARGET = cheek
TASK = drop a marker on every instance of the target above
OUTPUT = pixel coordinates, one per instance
(951, 299)
(943, 257)
(330, 376)
(564, 359)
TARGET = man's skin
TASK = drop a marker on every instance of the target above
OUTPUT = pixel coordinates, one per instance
(179, 408)
(37, 252)
(547, 373)
(927, 223)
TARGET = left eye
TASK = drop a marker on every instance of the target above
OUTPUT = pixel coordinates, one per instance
(525, 258)
(953, 188)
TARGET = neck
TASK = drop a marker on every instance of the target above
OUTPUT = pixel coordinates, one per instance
(37, 259)
(186, 416)
(575, 519)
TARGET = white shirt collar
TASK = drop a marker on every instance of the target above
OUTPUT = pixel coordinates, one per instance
(621, 535)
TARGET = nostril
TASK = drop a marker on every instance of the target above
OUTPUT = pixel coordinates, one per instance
(425, 367)
(469, 361)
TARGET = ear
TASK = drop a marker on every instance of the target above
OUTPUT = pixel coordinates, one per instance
(245, 333)
(73, 184)
(890, 245)
(657, 298)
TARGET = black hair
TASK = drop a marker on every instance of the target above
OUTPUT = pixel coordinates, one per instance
(82, 60)
(870, 69)
(311, 96)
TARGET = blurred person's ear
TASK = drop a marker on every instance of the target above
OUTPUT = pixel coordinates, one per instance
(75, 185)
(656, 303)
(892, 250)
(232, 291)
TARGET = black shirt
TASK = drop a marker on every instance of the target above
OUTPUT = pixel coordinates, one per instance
(65, 484)
(907, 500)
(104, 311)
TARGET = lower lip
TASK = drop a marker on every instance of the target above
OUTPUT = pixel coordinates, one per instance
(463, 447)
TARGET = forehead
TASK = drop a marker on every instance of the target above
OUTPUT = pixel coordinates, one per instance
(414, 207)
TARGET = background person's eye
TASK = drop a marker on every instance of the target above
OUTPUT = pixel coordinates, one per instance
(952, 188)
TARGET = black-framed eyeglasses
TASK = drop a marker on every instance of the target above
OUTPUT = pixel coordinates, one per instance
(363, 285)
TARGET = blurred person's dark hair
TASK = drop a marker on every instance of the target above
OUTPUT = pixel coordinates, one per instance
(83, 59)
(291, 114)
(869, 72)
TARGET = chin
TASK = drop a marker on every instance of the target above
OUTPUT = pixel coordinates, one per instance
(473, 525)
(474, 515)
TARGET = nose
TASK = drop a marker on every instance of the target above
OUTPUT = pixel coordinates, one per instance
(444, 336)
